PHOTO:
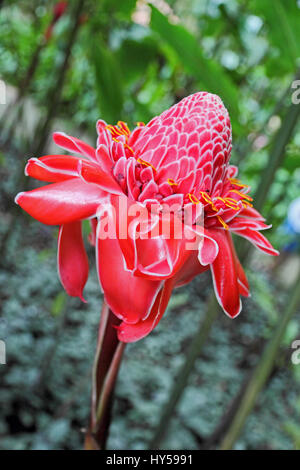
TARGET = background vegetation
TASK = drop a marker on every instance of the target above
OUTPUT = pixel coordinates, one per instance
(130, 60)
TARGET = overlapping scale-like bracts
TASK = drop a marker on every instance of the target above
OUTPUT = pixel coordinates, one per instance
(180, 157)
(198, 127)
(184, 150)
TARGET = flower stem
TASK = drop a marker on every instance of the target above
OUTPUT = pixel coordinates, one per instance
(107, 361)
(261, 372)
(184, 373)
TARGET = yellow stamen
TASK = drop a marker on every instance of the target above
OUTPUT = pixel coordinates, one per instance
(237, 182)
(234, 208)
(140, 124)
(221, 199)
(208, 199)
(193, 198)
(244, 196)
(113, 129)
(143, 162)
(231, 203)
(228, 202)
(249, 198)
(129, 148)
(247, 204)
(120, 129)
(171, 182)
(123, 126)
(222, 222)
(230, 199)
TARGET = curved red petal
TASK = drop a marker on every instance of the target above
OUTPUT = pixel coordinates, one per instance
(131, 333)
(241, 223)
(104, 159)
(72, 144)
(189, 270)
(129, 297)
(243, 283)
(208, 250)
(61, 203)
(72, 259)
(258, 240)
(92, 173)
(156, 253)
(251, 213)
(52, 168)
(224, 274)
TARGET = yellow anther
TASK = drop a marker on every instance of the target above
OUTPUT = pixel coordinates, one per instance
(230, 199)
(123, 126)
(140, 124)
(237, 182)
(120, 129)
(171, 182)
(242, 195)
(193, 198)
(232, 203)
(129, 148)
(247, 204)
(249, 198)
(110, 128)
(143, 162)
(229, 202)
(222, 222)
(209, 200)
(206, 197)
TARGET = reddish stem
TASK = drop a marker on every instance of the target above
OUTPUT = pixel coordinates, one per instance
(106, 366)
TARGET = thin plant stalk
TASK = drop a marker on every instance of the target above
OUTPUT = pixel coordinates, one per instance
(261, 372)
(107, 362)
(168, 410)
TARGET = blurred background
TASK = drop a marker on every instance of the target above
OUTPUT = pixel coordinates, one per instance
(63, 65)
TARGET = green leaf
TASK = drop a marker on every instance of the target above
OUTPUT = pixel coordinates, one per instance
(125, 7)
(291, 162)
(122, 9)
(282, 19)
(108, 80)
(135, 56)
(208, 72)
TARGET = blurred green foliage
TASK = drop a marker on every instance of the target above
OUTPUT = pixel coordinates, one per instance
(130, 61)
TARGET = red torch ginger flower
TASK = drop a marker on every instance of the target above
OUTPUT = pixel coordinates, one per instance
(179, 158)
